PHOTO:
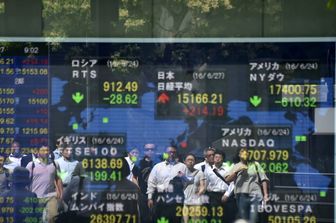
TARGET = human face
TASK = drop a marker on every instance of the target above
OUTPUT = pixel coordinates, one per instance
(44, 152)
(133, 155)
(149, 150)
(189, 161)
(218, 159)
(209, 156)
(134, 152)
(171, 153)
(15, 148)
(67, 152)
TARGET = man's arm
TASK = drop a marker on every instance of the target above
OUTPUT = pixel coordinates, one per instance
(229, 190)
(264, 181)
(151, 187)
(265, 190)
(232, 175)
(59, 188)
(58, 182)
(135, 175)
(202, 187)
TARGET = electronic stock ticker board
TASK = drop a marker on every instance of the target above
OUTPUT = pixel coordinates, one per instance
(274, 98)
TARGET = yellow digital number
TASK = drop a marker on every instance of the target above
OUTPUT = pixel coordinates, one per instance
(178, 211)
(106, 86)
(119, 86)
(97, 163)
(7, 91)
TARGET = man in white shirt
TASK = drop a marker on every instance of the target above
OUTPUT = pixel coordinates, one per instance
(66, 165)
(160, 184)
(219, 190)
(215, 183)
(208, 160)
(131, 158)
(206, 166)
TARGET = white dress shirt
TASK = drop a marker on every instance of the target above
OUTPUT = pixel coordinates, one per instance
(161, 175)
(13, 162)
(215, 184)
(131, 166)
(198, 166)
(67, 167)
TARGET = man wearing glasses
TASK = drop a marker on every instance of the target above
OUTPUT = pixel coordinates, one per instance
(206, 165)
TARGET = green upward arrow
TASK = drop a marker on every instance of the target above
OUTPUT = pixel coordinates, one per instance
(162, 220)
(77, 97)
(255, 100)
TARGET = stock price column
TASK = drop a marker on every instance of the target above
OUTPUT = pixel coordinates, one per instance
(295, 92)
(283, 85)
(199, 94)
(23, 95)
(120, 86)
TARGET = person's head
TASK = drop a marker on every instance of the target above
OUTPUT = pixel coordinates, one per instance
(43, 152)
(209, 155)
(20, 177)
(67, 151)
(219, 158)
(133, 154)
(243, 154)
(15, 148)
(172, 153)
(149, 150)
(190, 160)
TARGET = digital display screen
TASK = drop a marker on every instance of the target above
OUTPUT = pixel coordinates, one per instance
(106, 98)
(24, 95)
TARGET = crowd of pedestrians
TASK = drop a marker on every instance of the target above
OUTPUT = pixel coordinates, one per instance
(50, 186)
